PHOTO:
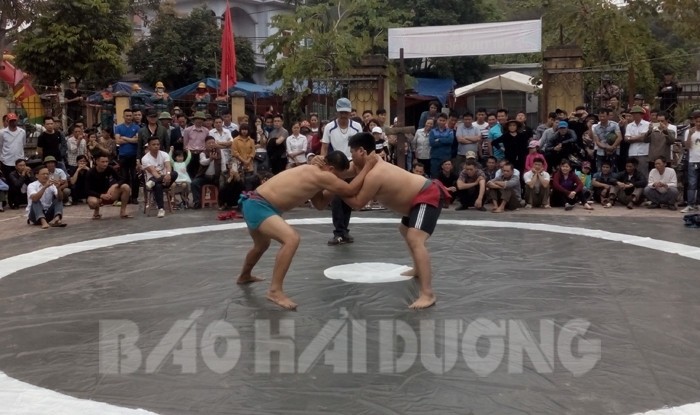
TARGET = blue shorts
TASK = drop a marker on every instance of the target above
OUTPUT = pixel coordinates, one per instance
(256, 209)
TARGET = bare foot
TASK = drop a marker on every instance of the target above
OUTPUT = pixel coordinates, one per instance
(498, 210)
(249, 279)
(281, 300)
(423, 301)
(409, 273)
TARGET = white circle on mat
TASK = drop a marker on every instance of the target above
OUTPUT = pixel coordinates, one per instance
(368, 272)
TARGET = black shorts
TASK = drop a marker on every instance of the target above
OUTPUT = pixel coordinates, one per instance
(423, 217)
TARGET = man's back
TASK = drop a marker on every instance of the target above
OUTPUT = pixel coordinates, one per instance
(396, 187)
(291, 188)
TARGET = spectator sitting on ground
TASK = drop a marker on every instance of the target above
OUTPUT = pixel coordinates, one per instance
(419, 169)
(105, 186)
(605, 185)
(60, 178)
(18, 181)
(44, 201)
(630, 184)
(537, 185)
(567, 188)
(505, 189)
(448, 177)
(585, 176)
(491, 168)
(662, 186)
(78, 181)
(471, 187)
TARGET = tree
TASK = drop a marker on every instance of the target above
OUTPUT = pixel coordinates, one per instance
(323, 40)
(184, 49)
(463, 70)
(143, 9)
(80, 38)
(15, 14)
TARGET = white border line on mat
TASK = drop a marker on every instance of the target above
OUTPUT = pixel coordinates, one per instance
(20, 398)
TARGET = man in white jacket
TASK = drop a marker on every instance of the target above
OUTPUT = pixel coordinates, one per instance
(662, 188)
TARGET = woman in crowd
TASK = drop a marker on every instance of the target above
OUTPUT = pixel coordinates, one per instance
(297, 145)
(260, 137)
(567, 188)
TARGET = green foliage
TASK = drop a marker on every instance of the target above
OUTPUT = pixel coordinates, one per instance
(81, 38)
(15, 14)
(185, 49)
(463, 70)
(649, 36)
(325, 39)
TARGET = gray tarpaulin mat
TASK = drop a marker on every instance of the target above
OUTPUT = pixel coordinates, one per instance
(526, 322)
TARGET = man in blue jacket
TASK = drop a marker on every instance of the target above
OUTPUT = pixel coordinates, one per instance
(441, 139)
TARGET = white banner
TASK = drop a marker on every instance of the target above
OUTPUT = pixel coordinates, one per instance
(466, 40)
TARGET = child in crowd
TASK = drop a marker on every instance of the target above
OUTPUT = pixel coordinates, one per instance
(585, 176)
(182, 183)
(533, 153)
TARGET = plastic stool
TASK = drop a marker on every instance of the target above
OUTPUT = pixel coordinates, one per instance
(210, 196)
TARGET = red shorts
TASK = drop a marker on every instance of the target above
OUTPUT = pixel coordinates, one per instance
(426, 207)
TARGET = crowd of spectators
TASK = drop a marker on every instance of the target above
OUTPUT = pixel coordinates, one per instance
(614, 157)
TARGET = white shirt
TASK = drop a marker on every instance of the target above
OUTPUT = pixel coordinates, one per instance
(669, 177)
(338, 138)
(297, 143)
(211, 168)
(46, 199)
(694, 152)
(158, 162)
(637, 149)
(223, 138)
(231, 127)
(528, 176)
(484, 128)
(58, 174)
(12, 145)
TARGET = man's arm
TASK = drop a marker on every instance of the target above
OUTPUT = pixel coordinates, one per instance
(324, 149)
(367, 192)
(332, 183)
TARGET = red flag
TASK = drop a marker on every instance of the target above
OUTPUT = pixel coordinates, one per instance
(228, 54)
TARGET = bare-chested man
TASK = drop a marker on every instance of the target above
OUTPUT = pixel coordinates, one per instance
(263, 208)
(417, 198)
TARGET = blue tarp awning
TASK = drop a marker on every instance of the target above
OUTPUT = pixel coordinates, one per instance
(435, 87)
(119, 87)
(261, 91)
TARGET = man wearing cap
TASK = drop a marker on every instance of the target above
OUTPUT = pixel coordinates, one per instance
(639, 102)
(559, 144)
(59, 177)
(140, 99)
(468, 137)
(160, 99)
(73, 101)
(44, 201)
(193, 140)
(335, 137)
(12, 142)
(126, 136)
(635, 135)
(202, 98)
(152, 129)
